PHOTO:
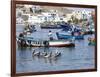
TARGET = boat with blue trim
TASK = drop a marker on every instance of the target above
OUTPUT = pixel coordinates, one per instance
(66, 35)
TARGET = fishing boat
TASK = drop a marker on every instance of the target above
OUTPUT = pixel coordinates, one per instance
(59, 26)
(30, 42)
(51, 27)
(67, 36)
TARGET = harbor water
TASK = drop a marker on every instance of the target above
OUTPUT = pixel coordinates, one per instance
(72, 58)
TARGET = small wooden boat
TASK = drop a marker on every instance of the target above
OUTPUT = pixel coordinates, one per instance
(45, 43)
(66, 36)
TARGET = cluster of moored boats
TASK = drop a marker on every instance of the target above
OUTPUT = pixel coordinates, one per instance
(66, 37)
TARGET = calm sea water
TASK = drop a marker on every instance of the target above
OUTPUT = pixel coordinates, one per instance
(79, 57)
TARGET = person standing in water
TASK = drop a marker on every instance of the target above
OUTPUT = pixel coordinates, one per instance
(50, 35)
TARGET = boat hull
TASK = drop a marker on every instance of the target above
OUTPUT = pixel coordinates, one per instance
(62, 36)
(49, 27)
(64, 45)
(61, 43)
(53, 43)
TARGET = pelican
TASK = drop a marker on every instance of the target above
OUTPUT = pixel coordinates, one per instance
(43, 54)
(57, 54)
(48, 55)
(35, 53)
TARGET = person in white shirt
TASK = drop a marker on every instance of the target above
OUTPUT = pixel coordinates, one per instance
(50, 35)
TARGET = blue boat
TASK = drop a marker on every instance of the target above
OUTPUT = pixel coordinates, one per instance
(67, 36)
(66, 27)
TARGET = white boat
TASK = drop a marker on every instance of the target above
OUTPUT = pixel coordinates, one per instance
(46, 43)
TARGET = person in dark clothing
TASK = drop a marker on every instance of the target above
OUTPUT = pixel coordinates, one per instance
(72, 33)
(22, 41)
(21, 35)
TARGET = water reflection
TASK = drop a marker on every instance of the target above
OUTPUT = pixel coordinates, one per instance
(23, 55)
